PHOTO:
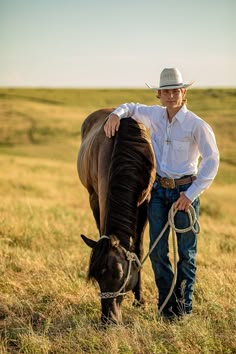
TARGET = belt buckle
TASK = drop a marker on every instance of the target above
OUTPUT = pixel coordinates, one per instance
(167, 182)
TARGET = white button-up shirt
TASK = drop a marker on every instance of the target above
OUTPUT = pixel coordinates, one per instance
(178, 145)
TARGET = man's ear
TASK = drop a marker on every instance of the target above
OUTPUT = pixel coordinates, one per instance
(88, 241)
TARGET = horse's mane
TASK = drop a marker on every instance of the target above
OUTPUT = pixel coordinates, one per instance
(130, 175)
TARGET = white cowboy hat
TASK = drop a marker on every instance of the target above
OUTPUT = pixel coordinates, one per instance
(170, 78)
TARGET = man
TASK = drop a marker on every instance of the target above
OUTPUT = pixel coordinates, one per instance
(179, 139)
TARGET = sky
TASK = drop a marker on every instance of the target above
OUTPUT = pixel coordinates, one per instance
(116, 44)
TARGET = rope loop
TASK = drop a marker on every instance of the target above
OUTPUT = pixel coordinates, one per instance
(192, 220)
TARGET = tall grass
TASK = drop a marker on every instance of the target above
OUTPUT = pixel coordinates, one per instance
(46, 303)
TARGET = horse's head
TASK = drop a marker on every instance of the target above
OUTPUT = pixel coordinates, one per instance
(116, 271)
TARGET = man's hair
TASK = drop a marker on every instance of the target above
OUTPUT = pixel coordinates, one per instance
(184, 101)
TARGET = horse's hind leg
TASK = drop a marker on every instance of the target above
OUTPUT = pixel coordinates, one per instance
(94, 204)
(142, 222)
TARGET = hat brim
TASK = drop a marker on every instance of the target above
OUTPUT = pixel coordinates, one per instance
(169, 87)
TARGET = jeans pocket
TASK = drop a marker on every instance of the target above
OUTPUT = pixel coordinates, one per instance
(184, 187)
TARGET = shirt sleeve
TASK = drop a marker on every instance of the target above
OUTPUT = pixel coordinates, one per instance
(139, 112)
(209, 164)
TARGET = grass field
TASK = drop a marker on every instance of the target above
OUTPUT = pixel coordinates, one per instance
(46, 303)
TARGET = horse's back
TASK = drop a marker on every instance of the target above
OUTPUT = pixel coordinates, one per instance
(94, 120)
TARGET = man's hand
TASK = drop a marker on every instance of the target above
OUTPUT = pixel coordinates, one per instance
(183, 203)
(112, 125)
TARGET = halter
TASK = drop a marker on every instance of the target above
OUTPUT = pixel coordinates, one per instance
(131, 257)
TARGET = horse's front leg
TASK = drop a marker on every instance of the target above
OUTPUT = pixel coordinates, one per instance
(142, 222)
(137, 290)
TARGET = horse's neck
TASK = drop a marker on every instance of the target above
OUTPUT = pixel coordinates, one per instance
(116, 224)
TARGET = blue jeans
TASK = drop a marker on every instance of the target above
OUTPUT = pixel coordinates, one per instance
(159, 206)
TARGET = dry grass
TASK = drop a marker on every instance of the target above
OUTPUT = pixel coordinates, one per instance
(46, 303)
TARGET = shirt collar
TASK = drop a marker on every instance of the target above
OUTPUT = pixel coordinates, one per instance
(180, 115)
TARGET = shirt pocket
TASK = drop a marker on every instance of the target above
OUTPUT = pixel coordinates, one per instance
(158, 138)
(181, 151)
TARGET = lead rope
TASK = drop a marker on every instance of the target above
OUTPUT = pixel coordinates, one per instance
(192, 221)
(132, 257)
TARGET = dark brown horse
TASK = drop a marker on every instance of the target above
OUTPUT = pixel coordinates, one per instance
(118, 174)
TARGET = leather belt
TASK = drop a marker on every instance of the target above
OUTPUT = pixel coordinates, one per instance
(172, 183)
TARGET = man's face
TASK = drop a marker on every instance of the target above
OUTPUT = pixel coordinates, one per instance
(172, 98)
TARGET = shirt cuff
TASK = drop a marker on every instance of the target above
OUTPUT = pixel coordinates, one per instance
(191, 193)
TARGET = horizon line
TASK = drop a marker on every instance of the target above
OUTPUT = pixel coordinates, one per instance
(104, 87)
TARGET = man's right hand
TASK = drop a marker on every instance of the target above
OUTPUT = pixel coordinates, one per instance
(112, 125)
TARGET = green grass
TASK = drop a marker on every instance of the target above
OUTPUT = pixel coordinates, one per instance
(46, 303)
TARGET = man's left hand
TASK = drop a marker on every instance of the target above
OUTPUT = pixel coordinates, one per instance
(183, 203)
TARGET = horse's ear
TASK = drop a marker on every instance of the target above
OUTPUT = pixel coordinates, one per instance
(114, 241)
(131, 242)
(88, 241)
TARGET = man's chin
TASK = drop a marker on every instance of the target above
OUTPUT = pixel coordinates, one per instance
(173, 105)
